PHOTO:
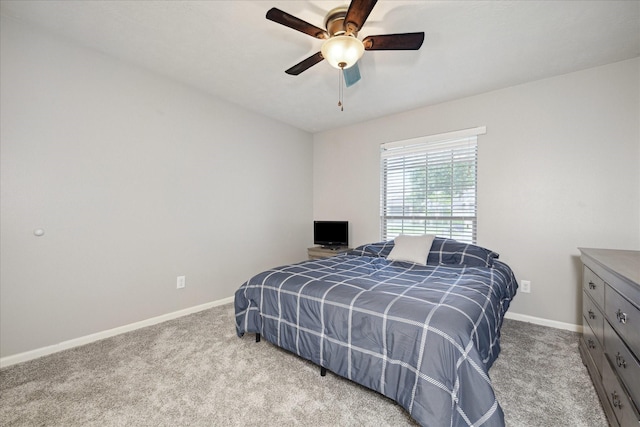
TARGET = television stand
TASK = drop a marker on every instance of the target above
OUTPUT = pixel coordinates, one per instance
(318, 252)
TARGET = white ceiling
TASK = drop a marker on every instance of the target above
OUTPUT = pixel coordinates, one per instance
(229, 49)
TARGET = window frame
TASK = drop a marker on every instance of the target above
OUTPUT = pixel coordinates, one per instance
(429, 219)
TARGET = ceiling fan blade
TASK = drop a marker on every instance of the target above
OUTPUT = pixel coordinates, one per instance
(405, 41)
(281, 17)
(357, 14)
(305, 64)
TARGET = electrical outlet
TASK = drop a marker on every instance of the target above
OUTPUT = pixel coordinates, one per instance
(525, 286)
(181, 282)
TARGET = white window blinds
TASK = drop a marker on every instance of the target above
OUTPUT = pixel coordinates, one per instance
(428, 185)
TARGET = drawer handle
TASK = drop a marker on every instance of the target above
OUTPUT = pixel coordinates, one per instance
(615, 400)
(591, 344)
(620, 361)
(592, 315)
(622, 317)
(592, 285)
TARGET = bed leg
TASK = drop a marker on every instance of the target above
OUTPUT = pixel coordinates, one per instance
(323, 371)
(258, 337)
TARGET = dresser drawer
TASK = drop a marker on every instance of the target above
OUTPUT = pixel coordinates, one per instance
(611, 281)
(624, 410)
(593, 316)
(593, 286)
(592, 344)
(624, 317)
(624, 363)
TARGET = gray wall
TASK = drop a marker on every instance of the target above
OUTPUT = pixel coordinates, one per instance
(135, 179)
(559, 168)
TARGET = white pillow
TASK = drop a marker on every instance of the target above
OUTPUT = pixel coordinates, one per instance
(411, 248)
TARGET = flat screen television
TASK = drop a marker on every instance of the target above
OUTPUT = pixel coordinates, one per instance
(331, 234)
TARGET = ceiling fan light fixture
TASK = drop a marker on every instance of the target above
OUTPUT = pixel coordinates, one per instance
(342, 51)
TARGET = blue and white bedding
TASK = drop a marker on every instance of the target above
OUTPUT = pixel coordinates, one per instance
(424, 336)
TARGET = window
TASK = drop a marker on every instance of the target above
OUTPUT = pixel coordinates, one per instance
(428, 185)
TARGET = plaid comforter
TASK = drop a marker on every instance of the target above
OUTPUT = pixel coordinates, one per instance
(424, 336)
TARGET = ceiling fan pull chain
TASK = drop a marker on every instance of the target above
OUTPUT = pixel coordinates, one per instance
(341, 86)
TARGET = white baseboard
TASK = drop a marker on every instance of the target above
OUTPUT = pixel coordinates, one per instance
(44, 351)
(544, 322)
(76, 342)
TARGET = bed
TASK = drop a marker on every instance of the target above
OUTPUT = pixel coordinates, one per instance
(423, 334)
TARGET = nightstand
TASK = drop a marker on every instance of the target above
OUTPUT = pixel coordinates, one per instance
(318, 252)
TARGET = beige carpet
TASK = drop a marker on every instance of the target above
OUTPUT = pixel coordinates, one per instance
(194, 371)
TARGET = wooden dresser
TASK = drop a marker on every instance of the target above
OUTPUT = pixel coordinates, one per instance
(610, 344)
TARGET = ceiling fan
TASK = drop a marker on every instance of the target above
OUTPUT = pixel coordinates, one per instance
(341, 47)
